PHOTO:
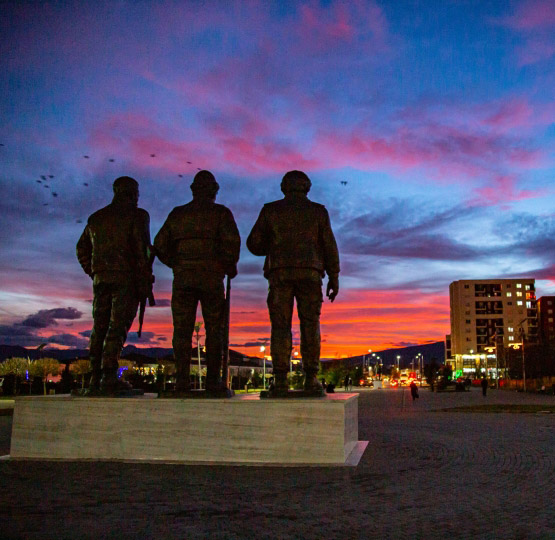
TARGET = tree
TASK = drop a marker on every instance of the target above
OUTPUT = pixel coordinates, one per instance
(81, 367)
(43, 367)
(16, 367)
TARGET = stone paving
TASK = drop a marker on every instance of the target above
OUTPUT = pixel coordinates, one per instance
(425, 474)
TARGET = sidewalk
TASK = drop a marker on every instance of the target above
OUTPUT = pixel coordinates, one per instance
(426, 474)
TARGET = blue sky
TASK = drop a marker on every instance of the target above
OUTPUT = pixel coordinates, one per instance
(438, 115)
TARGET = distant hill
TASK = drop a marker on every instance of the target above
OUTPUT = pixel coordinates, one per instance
(389, 356)
(131, 352)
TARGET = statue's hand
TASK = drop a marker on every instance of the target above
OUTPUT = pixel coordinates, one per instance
(231, 271)
(333, 287)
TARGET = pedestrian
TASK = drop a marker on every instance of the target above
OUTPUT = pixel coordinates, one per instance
(484, 384)
(413, 390)
(350, 384)
(346, 383)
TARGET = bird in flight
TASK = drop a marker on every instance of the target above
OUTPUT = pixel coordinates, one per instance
(85, 184)
(190, 162)
(50, 176)
(43, 177)
(152, 155)
(39, 181)
(343, 182)
(111, 160)
(86, 157)
(54, 194)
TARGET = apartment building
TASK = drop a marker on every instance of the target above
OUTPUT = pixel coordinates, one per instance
(486, 311)
(546, 318)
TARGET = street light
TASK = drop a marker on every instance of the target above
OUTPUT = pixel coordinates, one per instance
(262, 350)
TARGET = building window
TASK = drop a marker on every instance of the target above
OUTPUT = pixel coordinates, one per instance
(549, 311)
(519, 303)
(510, 329)
(509, 303)
(527, 287)
(549, 303)
(466, 286)
(550, 319)
(508, 285)
(509, 294)
(519, 285)
(519, 293)
(467, 321)
(511, 338)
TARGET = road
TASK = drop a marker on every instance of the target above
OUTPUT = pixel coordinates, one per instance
(425, 474)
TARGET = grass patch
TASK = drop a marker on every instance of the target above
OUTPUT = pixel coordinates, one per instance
(497, 408)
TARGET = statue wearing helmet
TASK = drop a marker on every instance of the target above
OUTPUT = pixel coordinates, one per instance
(113, 251)
(200, 242)
(295, 236)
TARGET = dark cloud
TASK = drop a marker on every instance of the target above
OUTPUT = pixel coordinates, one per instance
(147, 338)
(25, 332)
(86, 333)
(163, 302)
(47, 317)
(403, 344)
(161, 338)
(69, 340)
(259, 342)
(404, 230)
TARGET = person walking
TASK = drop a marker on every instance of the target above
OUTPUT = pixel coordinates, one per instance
(484, 384)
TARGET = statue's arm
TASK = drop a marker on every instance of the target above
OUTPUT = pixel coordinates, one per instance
(258, 240)
(230, 243)
(331, 257)
(162, 243)
(84, 251)
(141, 242)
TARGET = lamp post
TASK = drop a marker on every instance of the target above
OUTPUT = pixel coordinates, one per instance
(262, 350)
(198, 326)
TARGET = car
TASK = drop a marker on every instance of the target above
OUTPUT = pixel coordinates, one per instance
(367, 382)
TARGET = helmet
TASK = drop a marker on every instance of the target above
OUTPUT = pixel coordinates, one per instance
(205, 183)
(295, 181)
(125, 184)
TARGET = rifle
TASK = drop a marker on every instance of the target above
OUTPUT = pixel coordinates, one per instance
(151, 300)
(225, 355)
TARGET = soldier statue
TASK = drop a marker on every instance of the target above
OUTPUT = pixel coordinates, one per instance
(113, 251)
(295, 236)
(200, 242)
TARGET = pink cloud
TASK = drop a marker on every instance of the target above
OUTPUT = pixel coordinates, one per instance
(530, 15)
(502, 191)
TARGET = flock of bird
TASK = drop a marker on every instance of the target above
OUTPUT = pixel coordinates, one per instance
(44, 178)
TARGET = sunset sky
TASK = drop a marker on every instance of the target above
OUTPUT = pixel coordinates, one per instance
(439, 115)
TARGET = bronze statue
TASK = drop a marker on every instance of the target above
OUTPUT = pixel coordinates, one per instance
(295, 236)
(113, 251)
(200, 242)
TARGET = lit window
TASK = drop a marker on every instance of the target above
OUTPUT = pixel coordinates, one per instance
(527, 287)
(511, 338)
(519, 285)
(549, 303)
(510, 329)
(549, 311)
(519, 303)
(519, 293)
(550, 319)
(528, 305)
(509, 294)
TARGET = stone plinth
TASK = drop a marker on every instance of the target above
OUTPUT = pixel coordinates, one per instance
(240, 430)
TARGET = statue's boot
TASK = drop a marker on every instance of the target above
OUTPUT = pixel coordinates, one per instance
(109, 383)
(94, 381)
(312, 386)
(281, 385)
(213, 379)
(182, 376)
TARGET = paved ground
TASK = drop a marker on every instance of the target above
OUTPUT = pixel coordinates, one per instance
(425, 474)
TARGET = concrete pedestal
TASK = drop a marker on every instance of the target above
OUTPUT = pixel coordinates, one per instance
(240, 430)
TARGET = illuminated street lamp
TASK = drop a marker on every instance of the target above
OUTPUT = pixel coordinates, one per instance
(262, 350)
